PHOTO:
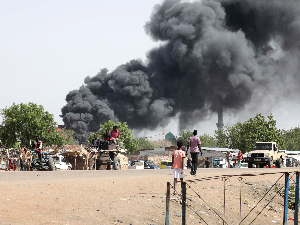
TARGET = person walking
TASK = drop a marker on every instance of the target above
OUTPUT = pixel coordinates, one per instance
(194, 145)
(10, 164)
(15, 163)
(240, 158)
(178, 164)
(228, 158)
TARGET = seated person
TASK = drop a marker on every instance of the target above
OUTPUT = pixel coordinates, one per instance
(115, 135)
(95, 141)
(107, 138)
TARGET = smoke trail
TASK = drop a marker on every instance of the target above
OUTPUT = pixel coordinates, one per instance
(214, 54)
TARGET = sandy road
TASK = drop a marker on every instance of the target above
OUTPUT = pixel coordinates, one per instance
(97, 197)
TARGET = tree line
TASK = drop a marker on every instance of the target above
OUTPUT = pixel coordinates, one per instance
(21, 123)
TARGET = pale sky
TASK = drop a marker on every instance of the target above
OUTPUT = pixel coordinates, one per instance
(48, 47)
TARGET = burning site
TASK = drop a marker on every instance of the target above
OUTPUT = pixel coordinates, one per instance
(212, 57)
(226, 54)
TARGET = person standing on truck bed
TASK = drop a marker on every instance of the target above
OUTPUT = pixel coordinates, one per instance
(37, 144)
(107, 141)
(107, 137)
(95, 141)
(115, 135)
(194, 144)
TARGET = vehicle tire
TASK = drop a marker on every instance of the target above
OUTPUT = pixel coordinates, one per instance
(249, 165)
(278, 163)
(51, 165)
(69, 168)
(270, 163)
(108, 167)
(116, 163)
(98, 164)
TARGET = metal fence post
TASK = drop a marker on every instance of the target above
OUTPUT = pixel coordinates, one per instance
(168, 203)
(286, 198)
(183, 188)
(296, 199)
(224, 178)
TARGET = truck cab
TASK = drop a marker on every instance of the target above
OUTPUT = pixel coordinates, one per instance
(265, 154)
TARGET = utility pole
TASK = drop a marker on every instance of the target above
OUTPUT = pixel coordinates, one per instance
(164, 133)
(220, 124)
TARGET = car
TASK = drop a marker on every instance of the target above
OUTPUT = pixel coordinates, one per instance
(139, 164)
(150, 165)
(165, 164)
(60, 163)
(244, 165)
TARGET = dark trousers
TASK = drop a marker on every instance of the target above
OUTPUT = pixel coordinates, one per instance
(194, 162)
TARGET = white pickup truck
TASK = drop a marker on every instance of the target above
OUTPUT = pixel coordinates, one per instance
(265, 154)
(60, 163)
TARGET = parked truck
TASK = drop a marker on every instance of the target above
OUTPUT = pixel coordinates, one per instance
(265, 154)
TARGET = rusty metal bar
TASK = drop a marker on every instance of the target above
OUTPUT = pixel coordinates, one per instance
(168, 204)
(296, 199)
(225, 178)
(286, 199)
(183, 188)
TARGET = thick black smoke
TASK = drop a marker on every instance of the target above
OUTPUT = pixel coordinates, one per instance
(212, 54)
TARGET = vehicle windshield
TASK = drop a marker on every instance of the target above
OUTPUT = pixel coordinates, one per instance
(139, 163)
(55, 158)
(169, 164)
(150, 163)
(263, 146)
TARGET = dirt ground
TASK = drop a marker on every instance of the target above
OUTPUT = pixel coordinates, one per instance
(139, 197)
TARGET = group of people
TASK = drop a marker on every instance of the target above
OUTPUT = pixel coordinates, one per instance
(229, 159)
(178, 155)
(108, 138)
(194, 145)
(12, 164)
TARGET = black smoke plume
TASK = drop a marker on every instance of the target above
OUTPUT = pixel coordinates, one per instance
(212, 54)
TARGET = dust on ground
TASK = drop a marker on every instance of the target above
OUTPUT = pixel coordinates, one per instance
(137, 197)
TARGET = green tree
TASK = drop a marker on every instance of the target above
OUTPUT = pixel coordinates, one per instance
(143, 143)
(126, 137)
(24, 122)
(243, 136)
(208, 141)
(221, 139)
(68, 136)
(234, 137)
(184, 137)
(291, 139)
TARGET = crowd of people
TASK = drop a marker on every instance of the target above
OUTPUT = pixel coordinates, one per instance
(108, 138)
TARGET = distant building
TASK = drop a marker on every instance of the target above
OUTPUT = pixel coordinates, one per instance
(169, 136)
(220, 124)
